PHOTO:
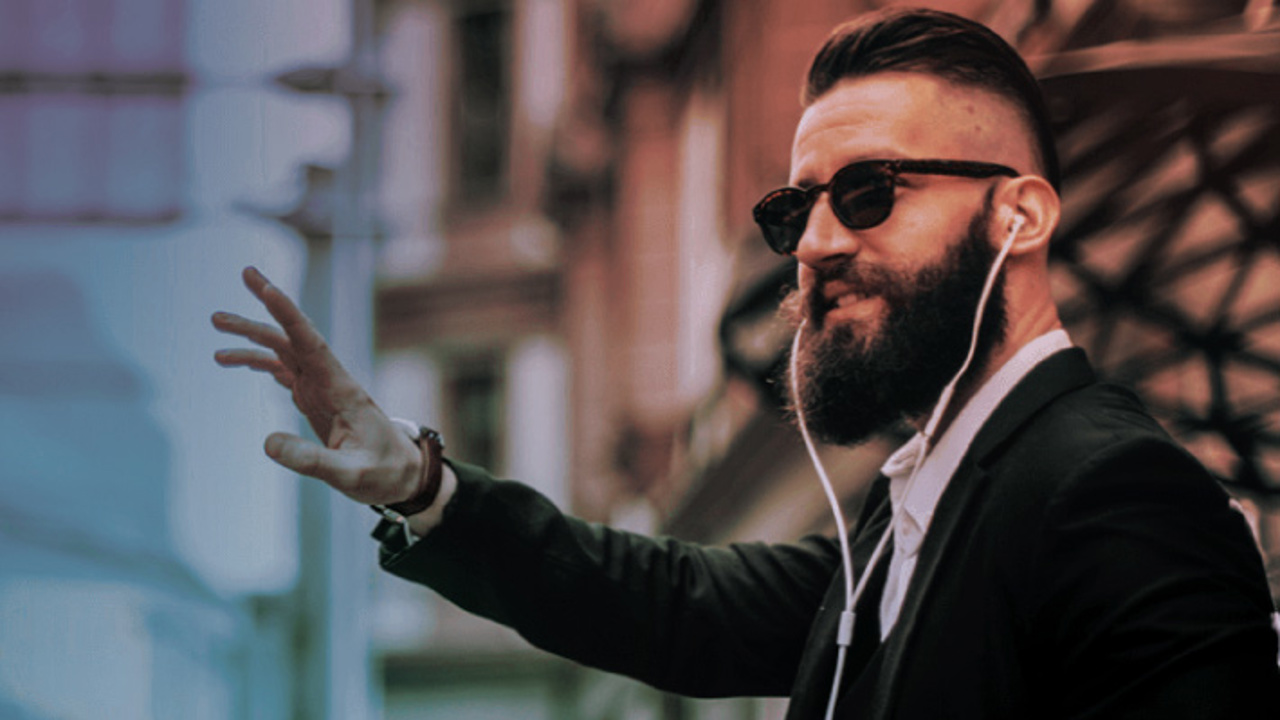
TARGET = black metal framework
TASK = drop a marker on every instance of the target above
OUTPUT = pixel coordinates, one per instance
(1167, 263)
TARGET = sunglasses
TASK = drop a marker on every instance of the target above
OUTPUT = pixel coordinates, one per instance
(861, 196)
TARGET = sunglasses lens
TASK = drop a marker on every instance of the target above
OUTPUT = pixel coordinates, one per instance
(782, 217)
(861, 198)
(861, 195)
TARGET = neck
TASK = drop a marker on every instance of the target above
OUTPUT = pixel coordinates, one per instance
(1023, 328)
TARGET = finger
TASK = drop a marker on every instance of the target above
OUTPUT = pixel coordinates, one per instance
(311, 354)
(304, 337)
(312, 459)
(242, 357)
(285, 378)
(256, 360)
(260, 333)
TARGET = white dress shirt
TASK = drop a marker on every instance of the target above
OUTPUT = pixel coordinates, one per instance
(913, 521)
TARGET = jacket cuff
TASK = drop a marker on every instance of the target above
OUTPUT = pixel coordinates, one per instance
(393, 545)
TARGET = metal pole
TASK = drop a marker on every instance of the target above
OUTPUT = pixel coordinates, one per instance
(337, 555)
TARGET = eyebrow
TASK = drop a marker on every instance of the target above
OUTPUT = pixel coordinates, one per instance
(807, 182)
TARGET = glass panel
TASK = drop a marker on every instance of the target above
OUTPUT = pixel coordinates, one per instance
(66, 153)
(147, 35)
(12, 158)
(69, 35)
(144, 164)
(79, 139)
(14, 32)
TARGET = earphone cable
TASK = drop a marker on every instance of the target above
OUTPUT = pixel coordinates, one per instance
(844, 635)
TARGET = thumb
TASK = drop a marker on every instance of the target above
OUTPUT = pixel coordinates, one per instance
(309, 458)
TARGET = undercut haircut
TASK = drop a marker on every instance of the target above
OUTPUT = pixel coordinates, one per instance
(940, 44)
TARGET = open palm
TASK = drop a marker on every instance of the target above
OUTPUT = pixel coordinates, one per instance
(364, 456)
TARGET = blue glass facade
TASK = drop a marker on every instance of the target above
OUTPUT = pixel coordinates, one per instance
(149, 551)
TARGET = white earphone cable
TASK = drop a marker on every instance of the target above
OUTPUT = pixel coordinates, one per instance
(844, 635)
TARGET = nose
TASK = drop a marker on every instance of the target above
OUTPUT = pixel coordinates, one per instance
(825, 238)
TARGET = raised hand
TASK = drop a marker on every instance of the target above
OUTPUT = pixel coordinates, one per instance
(365, 456)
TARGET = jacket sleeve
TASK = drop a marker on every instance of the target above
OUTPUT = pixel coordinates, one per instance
(698, 620)
(1152, 586)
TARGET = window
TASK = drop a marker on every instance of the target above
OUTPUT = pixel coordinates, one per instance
(91, 110)
(482, 106)
(473, 409)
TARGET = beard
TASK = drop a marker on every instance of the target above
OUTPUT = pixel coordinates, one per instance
(853, 383)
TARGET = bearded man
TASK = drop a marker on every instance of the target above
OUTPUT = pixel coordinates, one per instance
(1040, 548)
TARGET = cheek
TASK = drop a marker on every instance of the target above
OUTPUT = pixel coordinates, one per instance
(922, 236)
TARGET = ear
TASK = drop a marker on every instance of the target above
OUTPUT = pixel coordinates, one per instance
(1033, 199)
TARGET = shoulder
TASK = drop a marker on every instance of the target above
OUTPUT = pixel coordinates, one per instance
(1128, 535)
(1109, 495)
(1098, 433)
(1090, 418)
(1094, 460)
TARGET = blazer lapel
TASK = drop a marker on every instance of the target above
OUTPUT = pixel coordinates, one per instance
(1058, 374)
(871, 527)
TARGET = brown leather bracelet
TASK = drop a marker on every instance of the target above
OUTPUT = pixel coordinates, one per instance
(434, 472)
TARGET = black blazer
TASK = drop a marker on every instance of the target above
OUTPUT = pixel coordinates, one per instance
(1079, 565)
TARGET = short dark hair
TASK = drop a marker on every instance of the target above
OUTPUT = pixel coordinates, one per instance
(940, 44)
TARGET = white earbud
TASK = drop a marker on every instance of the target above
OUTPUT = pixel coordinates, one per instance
(1015, 225)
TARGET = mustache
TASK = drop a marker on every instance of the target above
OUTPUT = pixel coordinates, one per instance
(865, 278)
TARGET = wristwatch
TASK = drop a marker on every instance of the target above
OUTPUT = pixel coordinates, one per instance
(395, 514)
(434, 452)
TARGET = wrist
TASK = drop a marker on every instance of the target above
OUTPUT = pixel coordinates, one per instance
(395, 529)
(431, 446)
(427, 520)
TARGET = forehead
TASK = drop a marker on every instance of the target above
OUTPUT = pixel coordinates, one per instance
(905, 115)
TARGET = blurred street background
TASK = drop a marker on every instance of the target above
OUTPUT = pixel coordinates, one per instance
(526, 223)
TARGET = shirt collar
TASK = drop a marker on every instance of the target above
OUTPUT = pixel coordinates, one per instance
(942, 462)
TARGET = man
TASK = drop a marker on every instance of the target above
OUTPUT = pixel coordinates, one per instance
(1047, 550)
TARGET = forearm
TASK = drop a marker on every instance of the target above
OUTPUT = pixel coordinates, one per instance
(703, 621)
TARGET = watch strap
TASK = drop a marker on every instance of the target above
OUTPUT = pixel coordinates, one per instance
(431, 443)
